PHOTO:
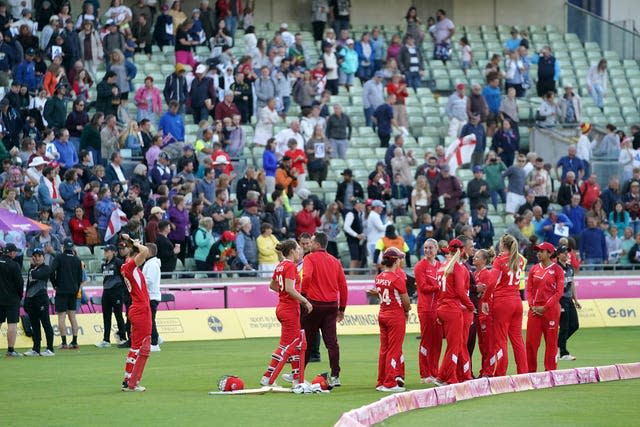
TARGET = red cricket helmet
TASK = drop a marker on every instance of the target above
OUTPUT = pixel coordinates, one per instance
(230, 383)
(322, 379)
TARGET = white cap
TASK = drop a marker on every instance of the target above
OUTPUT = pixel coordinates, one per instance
(201, 69)
(284, 26)
(349, 41)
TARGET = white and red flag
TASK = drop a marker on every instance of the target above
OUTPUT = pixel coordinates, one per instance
(116, 221)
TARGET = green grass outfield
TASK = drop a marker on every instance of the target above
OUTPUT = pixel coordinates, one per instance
(83, 388)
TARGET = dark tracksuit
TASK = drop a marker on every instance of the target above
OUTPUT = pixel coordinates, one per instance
(11, 286)
(36, 304)
(113, 297)
(568, 314)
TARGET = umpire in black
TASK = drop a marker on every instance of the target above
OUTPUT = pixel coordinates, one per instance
(11, 287)
(112, 296)
(36, 304)
(66, 276)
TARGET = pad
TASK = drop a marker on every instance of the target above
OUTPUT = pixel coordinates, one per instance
(141, 360)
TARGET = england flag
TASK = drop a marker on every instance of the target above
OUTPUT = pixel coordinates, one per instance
(116, 221)
(459, 152)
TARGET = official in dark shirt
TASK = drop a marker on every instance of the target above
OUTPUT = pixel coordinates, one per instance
(112, 296)
(11, 286)
(66, 276)
(36, 304)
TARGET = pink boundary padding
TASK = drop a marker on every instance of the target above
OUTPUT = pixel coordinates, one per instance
(388, 406)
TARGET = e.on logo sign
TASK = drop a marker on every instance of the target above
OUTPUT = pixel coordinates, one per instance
(621, 313)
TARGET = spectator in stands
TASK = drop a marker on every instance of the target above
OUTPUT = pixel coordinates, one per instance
(172, 124)
(593, 245)
(55, 110)
(348, 191)
(492, 96)
(567, 189)
(548, 114)
(441, 33)
(348, 64)
(372, 96)
(577, 214)
(267, 118)
(609, 146)
(341, 13)
(398, 87)
(548, 71)
(251, 211)
(514, 42)
(611, 196)
(570, 106)
(457, 111)
(614, 245)
(483, 228)
(473, 126)
(554, 227)
(175, 88)
(478, 189)
(384, 120)
(267, 255)
(285, 135)
(247, 250)
(570, 162)
(286, 176)
(597, 82)
(493, 169)
(317, 150)
(448, 190)
(330, 61)
(627, 243)
(109, 138)
(103, 209)
(68, 155)
(319, 15)
(411, 63)
(429, 169)
(539, 181)
(420, 199)
(619, 218)
(627, 158)
(339, 132)
(308, 219)
(379, 49)
(514, 72)
(71, 193)
(265, 88)
(114, 172)
(506, 142)
(476, 103)
(590, 190)
(365, 51)
(516, 185)
(167, 250)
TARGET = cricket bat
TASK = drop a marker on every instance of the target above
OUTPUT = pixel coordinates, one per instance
(261, 390)
(277, 389)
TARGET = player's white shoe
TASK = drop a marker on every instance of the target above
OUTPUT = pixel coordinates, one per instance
(137, 388)
(160, 340)
(264, 381)
(47, 353)
(31, 353)
(439, 383)
(567, 357)
(427, 380)
(155, 348)
(395, 389)
(334, 382)
(287, 378)
(103, 344)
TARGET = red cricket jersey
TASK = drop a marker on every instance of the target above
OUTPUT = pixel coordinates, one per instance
(390, 286)
(287, 269)
(505, 283)
(427, 284)
(454, 289)
(323, 278)
(485, 277)
(134, 280)
(545, 285)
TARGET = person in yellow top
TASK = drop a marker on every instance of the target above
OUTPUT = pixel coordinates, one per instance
(391, 240)
(267, 255)
(523, 282)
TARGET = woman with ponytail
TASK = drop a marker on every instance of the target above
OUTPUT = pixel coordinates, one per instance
(394, 312)
(426, 272)
(453, 304)
(483, 275)
(286, 281)
(506, 310)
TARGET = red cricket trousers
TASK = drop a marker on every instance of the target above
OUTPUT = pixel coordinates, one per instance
(537, 326)
(391, 359)
(464, 372)
(506, 314)
(430, 344)
(486, 344)
(140, 318)
(453, 327)
(289, 318)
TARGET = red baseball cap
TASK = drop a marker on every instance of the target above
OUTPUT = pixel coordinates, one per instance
(455, 244)
(393, 253)
(545, 246)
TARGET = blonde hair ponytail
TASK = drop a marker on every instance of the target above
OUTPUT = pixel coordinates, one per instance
(511, 244)
(452, 262)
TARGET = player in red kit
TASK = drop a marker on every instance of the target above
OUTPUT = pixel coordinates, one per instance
(394, 312)
(544, 290)
(426, 272)
(506, 310)
(139, 314)
(286, 281)
(453, 305)
(484, 276)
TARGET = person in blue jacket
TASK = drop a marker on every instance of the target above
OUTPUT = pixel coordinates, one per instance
(548, 229)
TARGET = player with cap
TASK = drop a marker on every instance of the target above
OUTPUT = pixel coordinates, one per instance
(286, 281)
(112, 296)
(569, 323)
(392, 319)
(66, 277)
(36, 304)
(544, 290)
(453, 302)
(139, 314)
(11, 286)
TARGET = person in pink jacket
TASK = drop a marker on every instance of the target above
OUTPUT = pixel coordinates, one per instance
(148, 101)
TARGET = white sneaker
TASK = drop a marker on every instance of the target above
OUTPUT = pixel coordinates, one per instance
(427, 380)
(400, 381)
(287, 378)
(155, 348)
(47, 353)
(120, 341)
(137, 388)
(13, 354)
(31, 353)
(264, 381)
(334, 382)
(568, 357)
(103, 344)
(439, 383)
(379, 388)
(391, 389)
(160, 340)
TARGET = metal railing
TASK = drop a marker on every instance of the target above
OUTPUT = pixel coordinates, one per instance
(593, 28)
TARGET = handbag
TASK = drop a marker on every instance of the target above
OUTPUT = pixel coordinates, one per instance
(91, 236)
